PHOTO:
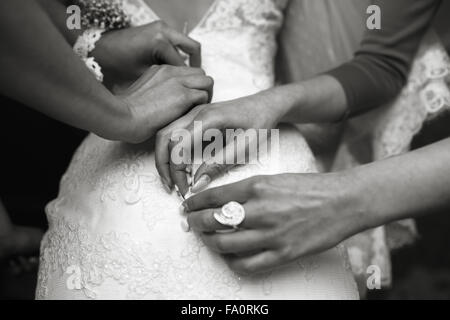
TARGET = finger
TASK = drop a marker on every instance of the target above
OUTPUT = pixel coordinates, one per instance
(199, 82)
(166, 53)
(163, 139)
(254, 264)
(242, 148)
(236, 242)
(211, 170)
(177, 166)
(207, 173)
(204, 220)
(197, 131)
(217, 197)
(188, 45)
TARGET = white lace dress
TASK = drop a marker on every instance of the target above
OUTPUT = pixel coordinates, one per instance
(114, 233)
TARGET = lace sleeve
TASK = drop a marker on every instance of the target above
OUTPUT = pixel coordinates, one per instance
(84, 45)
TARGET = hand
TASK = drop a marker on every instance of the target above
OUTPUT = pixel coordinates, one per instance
(162, 94)
(16, 242)
(126, 54)
(287, 216)
(254, 112)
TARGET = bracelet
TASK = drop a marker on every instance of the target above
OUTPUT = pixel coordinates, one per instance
(103, 14)
(86, 44)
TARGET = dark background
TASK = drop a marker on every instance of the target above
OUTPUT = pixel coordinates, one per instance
(35, 152)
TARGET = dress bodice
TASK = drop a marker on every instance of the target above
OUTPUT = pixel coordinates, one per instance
(115, 233)
(238, 40)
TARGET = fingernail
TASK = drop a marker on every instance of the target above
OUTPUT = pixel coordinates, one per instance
(177, 190)
(183, 209)
(186, 207)
(202, 183)
(185, 226)
(188, 193)
(166, 186)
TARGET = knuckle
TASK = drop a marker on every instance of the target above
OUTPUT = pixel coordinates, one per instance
(166, 68)
(286, 254)
(160, 38)
(210, 81)
(246, 268)
(160, 135)
(155, 67)
(160, 24)
(199, 71)
(197, 45)
(203, 96)
(220, 244)
(206, 114)
(259, 186)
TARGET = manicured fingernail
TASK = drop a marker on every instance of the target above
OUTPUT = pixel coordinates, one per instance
(202, 183)
(183, 209)
(188, 193)
(166, 186)
(186, 207)
(185, 226)
(177, 190)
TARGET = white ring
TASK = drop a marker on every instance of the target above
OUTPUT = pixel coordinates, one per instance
(232, 214)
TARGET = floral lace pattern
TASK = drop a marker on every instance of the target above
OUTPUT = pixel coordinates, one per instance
(114, 232)
(136, 266)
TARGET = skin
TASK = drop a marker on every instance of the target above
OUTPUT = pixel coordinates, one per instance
(16, 240)
(40, 70)
(319, 100)
(293, 215)
(36, 63)
(126, 54)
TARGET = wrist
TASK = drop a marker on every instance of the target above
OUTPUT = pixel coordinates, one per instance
(353, 202)
(127, 122)
(280, 101)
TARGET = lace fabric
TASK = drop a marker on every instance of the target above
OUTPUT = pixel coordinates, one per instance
(86, 44)
(114, 232)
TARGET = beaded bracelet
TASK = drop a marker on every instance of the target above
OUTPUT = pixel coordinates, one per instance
(103, 14)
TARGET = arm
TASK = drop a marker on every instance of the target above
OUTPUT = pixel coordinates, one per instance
(407, 186)
(294, 215)
(125, 54)
(56, 10)
(40, 70)
(376, 74)
(16, 240)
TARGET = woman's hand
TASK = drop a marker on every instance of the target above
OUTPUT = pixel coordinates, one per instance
(17, 242)
(126, 54)
(162, 94)
(287, 216)
(259, 111)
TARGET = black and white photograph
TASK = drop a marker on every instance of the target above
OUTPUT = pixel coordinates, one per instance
(224, 150)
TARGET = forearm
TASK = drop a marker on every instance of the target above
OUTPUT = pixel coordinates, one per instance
(318, 100)
(406, 186)
(40, 70)
(57, 11)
